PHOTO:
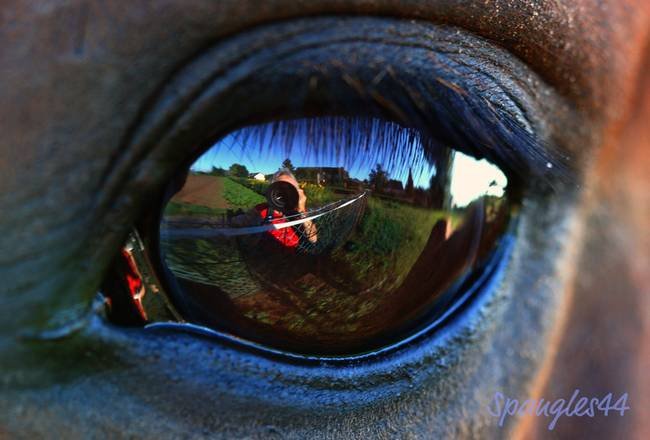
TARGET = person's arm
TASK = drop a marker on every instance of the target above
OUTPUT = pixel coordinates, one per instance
(308, 226)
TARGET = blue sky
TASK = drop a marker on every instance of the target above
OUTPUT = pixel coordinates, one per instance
(268, 159)
(470, 178)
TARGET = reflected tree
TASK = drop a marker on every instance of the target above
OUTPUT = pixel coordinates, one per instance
(378, 178)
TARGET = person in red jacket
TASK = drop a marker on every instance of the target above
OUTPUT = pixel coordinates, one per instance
(287, 237)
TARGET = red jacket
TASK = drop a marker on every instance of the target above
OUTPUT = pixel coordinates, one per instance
(286, 237)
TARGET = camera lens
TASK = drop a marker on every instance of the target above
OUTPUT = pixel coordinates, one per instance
(282, 196)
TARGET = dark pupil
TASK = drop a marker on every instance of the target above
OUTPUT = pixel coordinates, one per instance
(393, 231)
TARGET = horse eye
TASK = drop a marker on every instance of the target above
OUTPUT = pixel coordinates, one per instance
(326, 236)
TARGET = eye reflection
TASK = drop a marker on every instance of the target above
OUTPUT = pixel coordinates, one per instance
(329, 240)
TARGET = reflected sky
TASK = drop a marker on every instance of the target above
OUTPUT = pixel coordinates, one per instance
(267, 160)
(470, 178)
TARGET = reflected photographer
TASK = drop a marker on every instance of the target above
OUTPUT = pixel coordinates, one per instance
(286, 201)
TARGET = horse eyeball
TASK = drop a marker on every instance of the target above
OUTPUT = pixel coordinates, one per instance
(392, 232)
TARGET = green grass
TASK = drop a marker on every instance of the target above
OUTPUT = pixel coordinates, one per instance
(252, 184)
(319, 195)
(389, 239)
(382, 250)
(189, 209)
(216, 262)
(316, 195)
(239, 196)
(386, 243)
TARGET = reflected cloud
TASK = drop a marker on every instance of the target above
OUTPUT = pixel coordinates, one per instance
(472, 179)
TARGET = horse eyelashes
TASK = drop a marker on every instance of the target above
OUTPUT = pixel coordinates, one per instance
(323, 237)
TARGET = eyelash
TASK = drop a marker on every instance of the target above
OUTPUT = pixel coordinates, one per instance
(473, 125)
(498, 139)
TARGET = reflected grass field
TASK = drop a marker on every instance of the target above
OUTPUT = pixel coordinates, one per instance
(390, 238)
(316, 195)
(351, 281)
(238, 195)
(190, 209)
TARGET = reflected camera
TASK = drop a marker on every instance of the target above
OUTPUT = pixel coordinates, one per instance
(282, 196)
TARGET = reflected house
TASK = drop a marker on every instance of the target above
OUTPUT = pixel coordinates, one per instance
(394, 190)
(330, 176)
(259, 176)
(395, 187)
(421, 197)
(355, 184)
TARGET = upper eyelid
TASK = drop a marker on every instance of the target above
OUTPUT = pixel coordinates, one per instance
(509, 138)
(553, 165)
(506, 139)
